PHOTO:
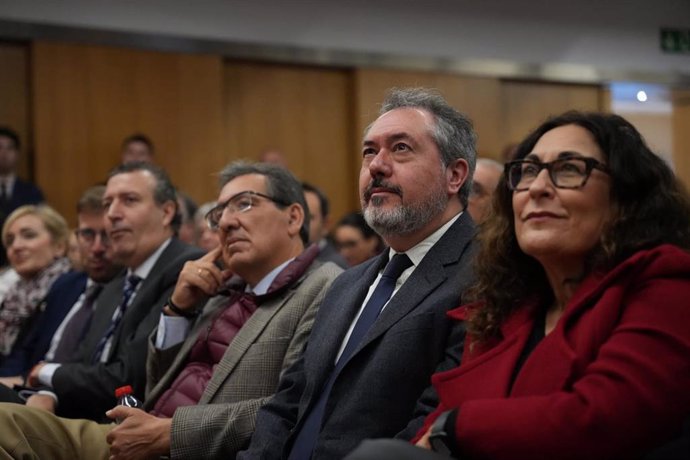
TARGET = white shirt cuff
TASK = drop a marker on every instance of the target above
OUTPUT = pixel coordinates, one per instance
(45, 375)
(171, 331)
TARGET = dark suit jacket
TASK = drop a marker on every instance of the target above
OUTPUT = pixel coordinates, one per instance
(375, 393)
(610, 381)
(62, 295)
(22, 193)
(85, 389)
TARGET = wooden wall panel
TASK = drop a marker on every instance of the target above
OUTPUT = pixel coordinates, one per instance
(305, 112)
(14, 99)
(525, 105)
(88, 98)
(479, 98)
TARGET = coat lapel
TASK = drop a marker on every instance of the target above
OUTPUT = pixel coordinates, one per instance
(335, 316)
(430, 274)
(246, 336)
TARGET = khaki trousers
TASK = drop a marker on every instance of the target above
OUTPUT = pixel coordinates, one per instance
(28, 433)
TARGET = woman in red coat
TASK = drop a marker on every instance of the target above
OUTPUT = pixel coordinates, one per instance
(579, 344)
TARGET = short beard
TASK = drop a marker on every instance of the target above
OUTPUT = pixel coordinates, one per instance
(406, 218)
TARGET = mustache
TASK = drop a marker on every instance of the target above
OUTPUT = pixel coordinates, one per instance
(381, 185)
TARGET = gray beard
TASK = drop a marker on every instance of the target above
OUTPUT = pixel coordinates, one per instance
(404, 219)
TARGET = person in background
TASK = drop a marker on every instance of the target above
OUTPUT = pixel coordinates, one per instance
(14, 192)
(209, 372)
(36, 240)
(319, 225)
(187, 231)
(73, 253)
(56, 335)
(355, 240)
(274, 156)
(484, 184)
(207, 237)
(141, 217)
(137, 148)
(578, 343)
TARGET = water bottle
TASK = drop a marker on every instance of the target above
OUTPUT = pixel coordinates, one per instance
(126, 398)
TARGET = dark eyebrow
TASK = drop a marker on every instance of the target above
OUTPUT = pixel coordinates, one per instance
(562, 155)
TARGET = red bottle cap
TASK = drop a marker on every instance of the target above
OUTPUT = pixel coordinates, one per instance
(125, 390)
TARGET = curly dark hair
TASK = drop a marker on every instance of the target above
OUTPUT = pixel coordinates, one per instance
(650, 207)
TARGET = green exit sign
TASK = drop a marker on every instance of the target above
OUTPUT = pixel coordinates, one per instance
(675, 40)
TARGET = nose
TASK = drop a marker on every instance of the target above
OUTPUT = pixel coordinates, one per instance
(381, 165)
(100, 241)
(228, 221)
(541, 184)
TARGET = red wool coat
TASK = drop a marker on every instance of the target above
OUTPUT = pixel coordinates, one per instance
(612, 380)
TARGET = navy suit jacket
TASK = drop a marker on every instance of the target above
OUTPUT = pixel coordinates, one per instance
(60, 299)
(375, 393)
(86, 389)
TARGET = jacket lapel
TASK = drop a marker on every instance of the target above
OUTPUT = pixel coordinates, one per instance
(425, 278)
(246, 336)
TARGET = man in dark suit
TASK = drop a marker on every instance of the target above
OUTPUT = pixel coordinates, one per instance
(70, 302)
(14, 192)
(319, 225)
(256, 325)
(382, 328)
(141, 220)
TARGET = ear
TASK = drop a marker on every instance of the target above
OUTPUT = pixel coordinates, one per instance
(169, 209)
(457, 173)
(295, 215)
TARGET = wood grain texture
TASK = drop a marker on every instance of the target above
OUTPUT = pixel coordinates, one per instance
(14, 100)
(305, 112)
(87, 99)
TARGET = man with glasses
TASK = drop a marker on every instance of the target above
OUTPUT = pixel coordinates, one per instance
(237, 318)
(70, 302)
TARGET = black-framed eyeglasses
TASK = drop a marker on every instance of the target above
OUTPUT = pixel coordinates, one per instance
(238, 203)
(88, 235)
(572, 172)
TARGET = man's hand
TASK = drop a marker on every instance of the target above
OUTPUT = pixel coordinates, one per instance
(199, 279)
(11, 381)
(139, 435)
(424, 440)
(44, 402)
(32, 379)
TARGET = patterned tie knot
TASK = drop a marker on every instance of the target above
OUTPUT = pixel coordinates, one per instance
(398, 264)
(131, 284)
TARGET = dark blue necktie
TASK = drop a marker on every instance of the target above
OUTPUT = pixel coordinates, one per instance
(130, 286)
(76, 327)
(306, 438)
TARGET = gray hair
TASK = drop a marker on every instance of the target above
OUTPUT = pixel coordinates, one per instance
(280, 184)
(453, 131)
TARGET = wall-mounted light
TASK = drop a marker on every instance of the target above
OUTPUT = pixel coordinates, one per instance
(642, 96)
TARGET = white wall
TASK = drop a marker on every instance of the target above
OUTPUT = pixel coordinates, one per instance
(602, 37)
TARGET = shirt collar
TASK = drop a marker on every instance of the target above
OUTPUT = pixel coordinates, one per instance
(418, 251)
(262, 286)
(143, 270)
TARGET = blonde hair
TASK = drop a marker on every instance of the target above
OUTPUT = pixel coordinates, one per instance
(52, 220)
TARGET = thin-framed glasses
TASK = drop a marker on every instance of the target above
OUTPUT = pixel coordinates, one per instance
(572, 172)
(238, 203)
(88, 235)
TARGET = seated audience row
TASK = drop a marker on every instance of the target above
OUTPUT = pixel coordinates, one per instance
(570, 341)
